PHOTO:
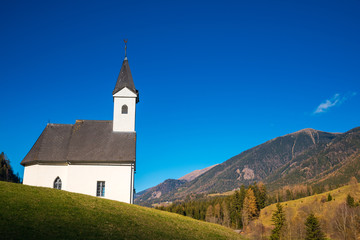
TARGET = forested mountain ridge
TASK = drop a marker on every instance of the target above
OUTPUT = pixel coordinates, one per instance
(258, 163)
(335, 164)
(168, 186)
(306, 156)
(164, 188)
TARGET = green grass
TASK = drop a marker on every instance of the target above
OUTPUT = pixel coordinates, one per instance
(42, 213)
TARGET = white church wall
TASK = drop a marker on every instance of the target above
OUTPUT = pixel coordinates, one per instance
(124, 122)
(44, 175)
(83, 179)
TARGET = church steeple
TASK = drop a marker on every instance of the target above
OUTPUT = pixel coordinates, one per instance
(125, 98)
(125, 78)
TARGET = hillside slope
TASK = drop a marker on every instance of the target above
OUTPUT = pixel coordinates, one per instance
(296, 212)
(150, 195)
(306, 156)
(262, 163)
(194, 174)
(43, 213)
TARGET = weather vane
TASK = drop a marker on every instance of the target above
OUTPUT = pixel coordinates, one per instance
(125, 41)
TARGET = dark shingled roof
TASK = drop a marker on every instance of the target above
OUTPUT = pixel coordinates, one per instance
(125, 78)
(86, 141)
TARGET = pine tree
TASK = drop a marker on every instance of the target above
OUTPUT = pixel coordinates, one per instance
(236, 207)
(313, 230)
(278, 219)
(329, 198)
(262, 195)
(6, 172)
(350, 201)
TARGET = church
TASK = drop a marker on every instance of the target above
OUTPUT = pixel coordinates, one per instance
(96, 158)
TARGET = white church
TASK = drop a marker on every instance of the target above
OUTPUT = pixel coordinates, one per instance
(96, 158)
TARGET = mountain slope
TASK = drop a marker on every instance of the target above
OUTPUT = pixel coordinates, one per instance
(44, 213)
(334, 164)
(306, 156)
(259, 162)
(150, 195)
(194, 174)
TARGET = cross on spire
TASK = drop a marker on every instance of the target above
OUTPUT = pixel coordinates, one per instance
(125, 41)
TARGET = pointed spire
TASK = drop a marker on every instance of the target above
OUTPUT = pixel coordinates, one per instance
(125, 78)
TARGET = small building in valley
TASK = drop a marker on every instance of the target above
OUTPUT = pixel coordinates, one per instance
(91, 157)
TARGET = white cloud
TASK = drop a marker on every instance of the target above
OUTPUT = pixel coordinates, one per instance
(337, 99)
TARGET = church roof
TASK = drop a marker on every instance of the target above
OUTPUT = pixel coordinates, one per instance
(125, 78)
(86, 141)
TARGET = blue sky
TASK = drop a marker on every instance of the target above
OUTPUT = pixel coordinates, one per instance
(215, 78)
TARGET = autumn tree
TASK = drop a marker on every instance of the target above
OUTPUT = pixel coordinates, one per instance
(354, 223)
(226, 214)
(279, 220)
(353, 182)
(257, 231)
(249, 209)
(313, 229)
(210, 214)
(341, 221)
(217, 213)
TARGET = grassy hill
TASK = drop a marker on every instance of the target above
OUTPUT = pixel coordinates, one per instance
(312, 203)
(42, 213)
(296, 211)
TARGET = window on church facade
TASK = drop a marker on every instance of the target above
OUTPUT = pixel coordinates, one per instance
(57, 183)
(124, 109)
(100, 189)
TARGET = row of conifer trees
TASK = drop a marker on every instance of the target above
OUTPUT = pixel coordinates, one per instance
(6, 171)
(231, 211)
(241, 208)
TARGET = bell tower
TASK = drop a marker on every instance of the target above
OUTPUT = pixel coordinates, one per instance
(125, 99)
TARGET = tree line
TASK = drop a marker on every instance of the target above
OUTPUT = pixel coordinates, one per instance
(239, 209)
(322, 216)
(6, 172)
(235, 211)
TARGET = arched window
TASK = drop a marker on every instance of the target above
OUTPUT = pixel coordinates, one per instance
(57, 183)
(124, 109)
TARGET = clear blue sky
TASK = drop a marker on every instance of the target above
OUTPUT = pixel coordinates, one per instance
(215, 78)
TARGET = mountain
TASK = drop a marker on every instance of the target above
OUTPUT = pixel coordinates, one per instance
(153, 194)
(194, 174)
(307, 156)
(333, 164)
(169, 185)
